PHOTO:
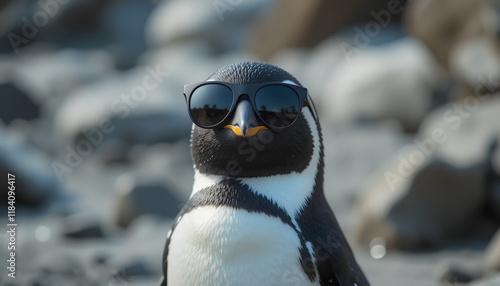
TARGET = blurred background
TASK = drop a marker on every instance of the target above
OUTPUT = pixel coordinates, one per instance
(94, 126)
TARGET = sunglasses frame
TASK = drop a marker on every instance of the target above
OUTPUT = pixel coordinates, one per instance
(250, 90)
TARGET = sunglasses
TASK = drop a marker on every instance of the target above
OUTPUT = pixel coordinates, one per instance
(277, 104)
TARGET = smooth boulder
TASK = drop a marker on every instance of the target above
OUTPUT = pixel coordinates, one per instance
(393, 82)
(492, 258)
(35, 182)
(135, 197)
(416, 201)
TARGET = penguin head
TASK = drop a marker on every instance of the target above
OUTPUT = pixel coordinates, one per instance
(243, 146)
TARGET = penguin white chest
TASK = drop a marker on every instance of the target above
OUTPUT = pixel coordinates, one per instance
(226, 246)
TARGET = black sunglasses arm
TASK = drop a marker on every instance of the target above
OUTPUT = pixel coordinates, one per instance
(309, 103)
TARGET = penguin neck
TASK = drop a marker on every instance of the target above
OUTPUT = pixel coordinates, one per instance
(289, 191)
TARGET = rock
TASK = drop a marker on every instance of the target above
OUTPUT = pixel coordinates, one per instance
(492, 257)
(135, 197)
(460, 38)
(476, 64)
(84, 24)
(439, 185)
(493, 180)
(125, 23)
(436, 190)
(113, 151)
(169, 162)
(350, 161)
(417, 200)
(136, 107)
(46, 76)
(80, 227)
(312, 68)
(492, 280)
(16, 104)
(190, 62)
(305, 23)
(494, 199)
(224, 25)
(392, 82)
(11, 21)
(467, 127)
(63, 268)
(35, 182)
(50, 75)
(5, 4)
(81, 14)
(134, 269)
(100, 259)
(453, 273)
(50, 21)
(445, 25)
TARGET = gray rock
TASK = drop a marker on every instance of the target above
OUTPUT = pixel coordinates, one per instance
(16, 104)
(35, 182)
(350, 161)
(100, 259)
(48, 75)
(169, 162)
(306, 23)
(135, 197)
(312, 68)
(493, 180)
(453, 273)
(492, 280)
(81, 227)
(136, 107)
(415, 201)
(439, 184)
(14, 18)
(459, 38)
(134, 269)
(224, 27)
(64, 268)
(468, 127)
(5, 4)
(113, 151)
(492, 258)
(389, 83)
(494, 199)
(183, 57)
(117, 27)
(125, 23)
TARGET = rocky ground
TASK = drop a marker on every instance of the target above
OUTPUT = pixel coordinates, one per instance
(75, 240)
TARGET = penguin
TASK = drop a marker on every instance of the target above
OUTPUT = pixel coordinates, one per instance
(257, 214)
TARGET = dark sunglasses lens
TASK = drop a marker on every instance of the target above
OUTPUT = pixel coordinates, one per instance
(277, 105)
(210, 104)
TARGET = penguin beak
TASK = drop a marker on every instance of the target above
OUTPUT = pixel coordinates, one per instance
(244, 122)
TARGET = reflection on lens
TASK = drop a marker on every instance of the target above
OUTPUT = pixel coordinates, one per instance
(210, 104)
(277, 105)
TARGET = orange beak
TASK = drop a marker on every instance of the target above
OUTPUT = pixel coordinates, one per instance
(248, 133)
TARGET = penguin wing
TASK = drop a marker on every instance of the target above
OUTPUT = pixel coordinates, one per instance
(163, 281)
(341, 268)
(338, 267)
(164, 261)
(335, 260)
